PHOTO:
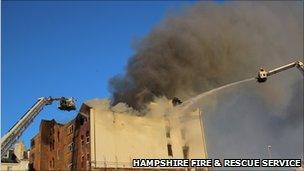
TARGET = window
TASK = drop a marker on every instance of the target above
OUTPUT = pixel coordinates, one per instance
(169, 147)
(52, 142)
(32, 157)
(50, 145)
(51, 131)
(82, 139)
(53, 161)
(83, 120)
(71, 129)
(32, 143)
(71, 147)
(186, 151)
(168, 132)
(25, 155)
(82, 161)
(51, 164)
(70, 166)
(88, 136)
(88, 156)
(31, 166)
(58, 136)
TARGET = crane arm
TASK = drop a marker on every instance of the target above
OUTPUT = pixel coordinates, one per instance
(297, 64)
(300, 66)
(15, 132)
(10, 138)
(263, 74)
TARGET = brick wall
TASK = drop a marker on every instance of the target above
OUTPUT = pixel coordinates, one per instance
(61, 146)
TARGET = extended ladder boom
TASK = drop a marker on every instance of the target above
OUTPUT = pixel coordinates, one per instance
(297, 64)
(9, 139)
(263, 74)
(15, 132)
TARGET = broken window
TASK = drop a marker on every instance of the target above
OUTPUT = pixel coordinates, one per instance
(33, 143)
(186, 151)
(58, 136)
(81, 120)
(51, 145)
(52, 142)
(169, 147)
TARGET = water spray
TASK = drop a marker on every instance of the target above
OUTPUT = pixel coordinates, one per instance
(262, 77)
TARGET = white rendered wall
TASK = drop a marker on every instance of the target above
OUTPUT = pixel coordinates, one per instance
(117, 138)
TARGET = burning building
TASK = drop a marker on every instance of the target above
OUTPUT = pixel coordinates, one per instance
(110, 137)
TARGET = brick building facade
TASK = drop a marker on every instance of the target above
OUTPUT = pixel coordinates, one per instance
(62, 146)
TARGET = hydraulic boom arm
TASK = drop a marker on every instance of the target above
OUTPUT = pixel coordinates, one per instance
(9, 139)
(263, 74)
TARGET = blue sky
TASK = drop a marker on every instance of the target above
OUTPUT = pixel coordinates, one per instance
(67, 49)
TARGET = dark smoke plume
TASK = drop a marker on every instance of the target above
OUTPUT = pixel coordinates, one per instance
(209, 45)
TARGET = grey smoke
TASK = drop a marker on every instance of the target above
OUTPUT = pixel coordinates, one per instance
(209, 45)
